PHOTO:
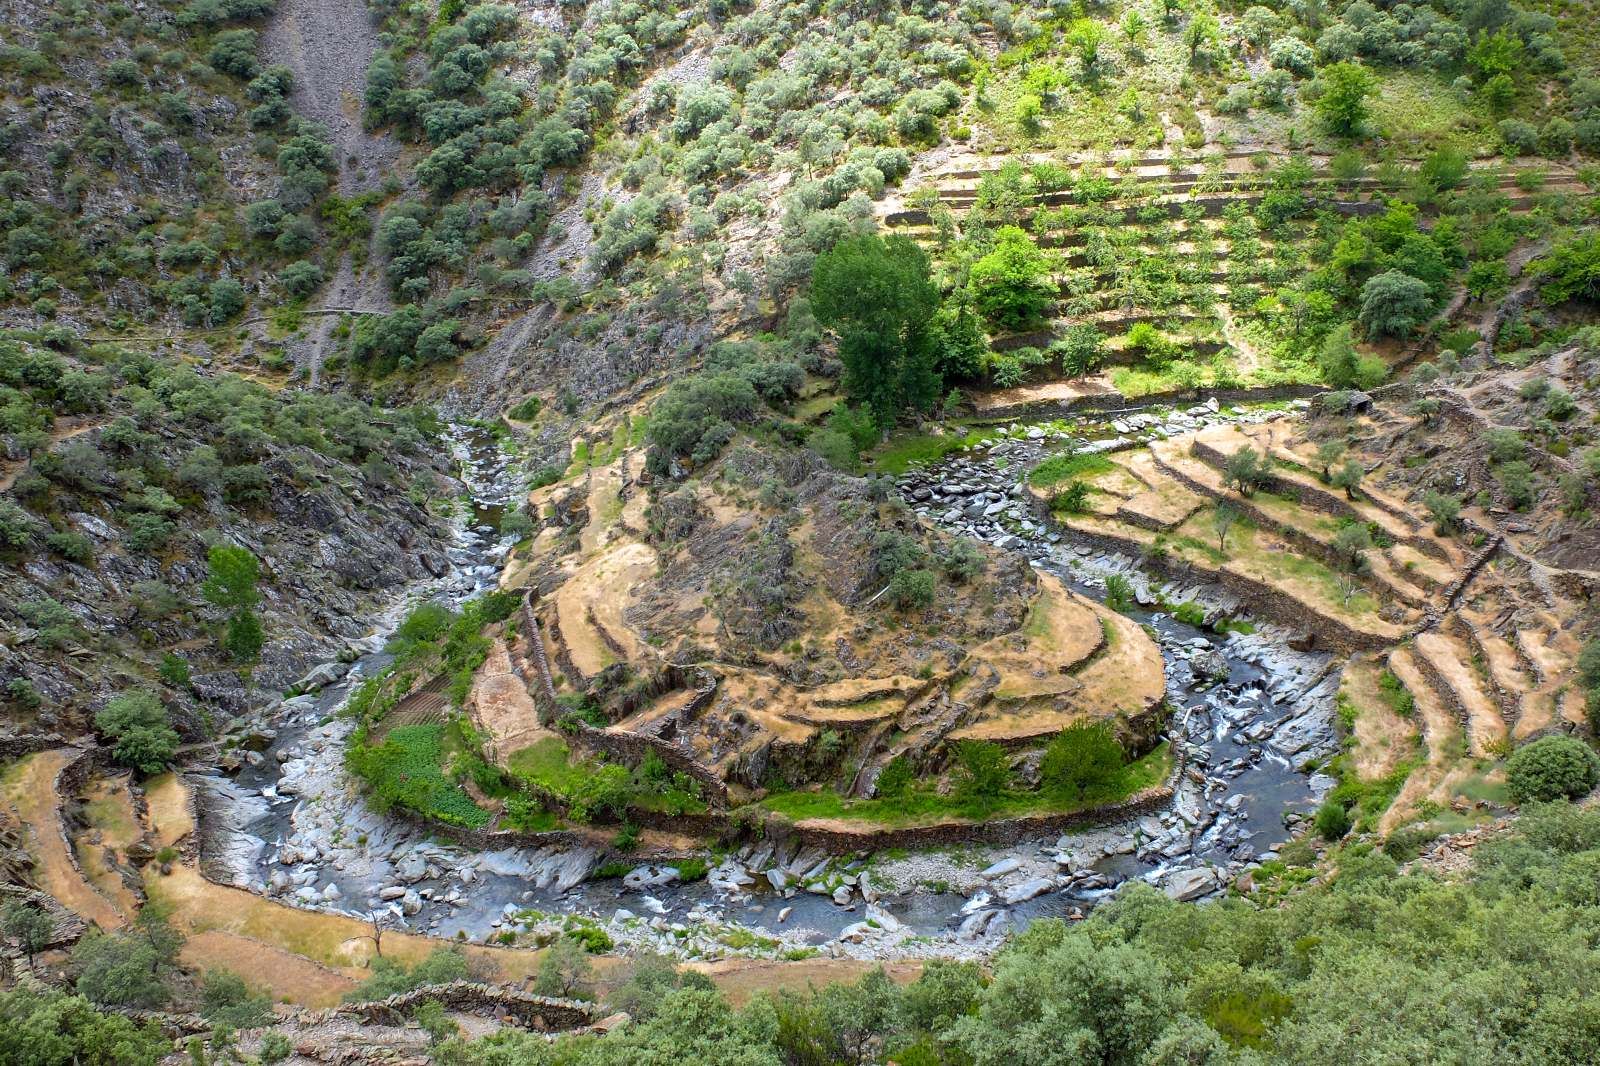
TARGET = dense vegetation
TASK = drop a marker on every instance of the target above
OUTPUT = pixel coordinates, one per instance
(1495, 966)
(425, 764)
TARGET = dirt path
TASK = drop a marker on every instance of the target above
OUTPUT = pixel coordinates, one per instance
(64, 430)
(32, 794)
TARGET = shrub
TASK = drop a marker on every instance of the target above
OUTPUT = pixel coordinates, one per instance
(1518, 137)
(300, 278)
(1333, 821)
(982, 773)
(274, 1047)
(16, 526)
(912, 590)
(1073, 498)
(1011, 283)
(1444, 510)
(1081, 762)
(142, 737)
(1343, 366)
(73, 547)
(1341, 102)
(1571, 270)
(234, 52)
(896, 778)
(390, 978)
(1516, 481)
(174, 670)
(1552, 768)
(964, 561)
(226, 1000)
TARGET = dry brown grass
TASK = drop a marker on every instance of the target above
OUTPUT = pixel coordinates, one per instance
(32, 793)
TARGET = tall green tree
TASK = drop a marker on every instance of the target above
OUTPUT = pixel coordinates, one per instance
(1012, 282)
(1342, 103)
(1394, 303)
(878, 294)
(142, 737)
(231, 585)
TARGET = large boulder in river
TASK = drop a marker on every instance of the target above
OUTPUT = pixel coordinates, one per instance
(323, 676)
(1185, 885)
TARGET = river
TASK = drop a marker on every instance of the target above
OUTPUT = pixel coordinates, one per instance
(293, 825)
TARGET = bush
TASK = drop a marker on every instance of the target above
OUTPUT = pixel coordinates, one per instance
(964, 561)
(982, 773)
(136, 724)
(234, 52)
(1571, 270)
(73, 547)
(1518, 137)
(1394, 303)
(1082, 762)
(226, 1000)
(896, 778)
(1333, 821)
(1516, 481)
(1552, 768)
(16, 526)
(274, 1047)
(300, 278)
(1010, 285)
(390, 978)
(912, 590)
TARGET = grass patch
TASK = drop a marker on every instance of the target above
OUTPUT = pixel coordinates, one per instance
(1421, 110)
(407, 770)
(924, 806)
(1068, 466)
(901, 453)
(549, 763)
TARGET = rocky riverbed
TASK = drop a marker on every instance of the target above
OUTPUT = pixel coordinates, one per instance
(1252, 717)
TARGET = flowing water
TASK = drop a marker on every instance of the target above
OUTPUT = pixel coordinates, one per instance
(293, 825)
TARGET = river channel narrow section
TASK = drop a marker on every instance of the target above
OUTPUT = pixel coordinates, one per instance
(1252, 720)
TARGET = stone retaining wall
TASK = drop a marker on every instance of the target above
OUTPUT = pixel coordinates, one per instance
(1256, 597)
(69, 926)
(16, 745)
(1112, 403)
(1210, 207)
(1509, 702)
(1472, 569)
(487, 839)
(633, 747)
(999, 831)
(1296, 537)
(541, 687)
(1326, 502)
(543, 1013)
(70, 780)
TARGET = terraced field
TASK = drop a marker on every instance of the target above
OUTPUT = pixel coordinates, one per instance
(1178, 261)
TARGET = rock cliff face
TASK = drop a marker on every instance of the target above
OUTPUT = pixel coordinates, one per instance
(101, 572)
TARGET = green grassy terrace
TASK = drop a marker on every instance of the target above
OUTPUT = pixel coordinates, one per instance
(923, 806)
